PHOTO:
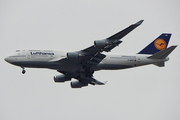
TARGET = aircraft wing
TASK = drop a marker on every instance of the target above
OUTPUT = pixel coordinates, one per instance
(92, 56)
(113, 40)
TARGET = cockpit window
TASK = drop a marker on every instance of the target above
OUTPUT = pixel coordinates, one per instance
(17, 50)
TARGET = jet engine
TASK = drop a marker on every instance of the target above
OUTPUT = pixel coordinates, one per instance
(61, 78)
(72, 55)
(77, 84)
(100, 43)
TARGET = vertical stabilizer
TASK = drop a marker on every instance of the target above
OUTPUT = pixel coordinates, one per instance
(157, 45)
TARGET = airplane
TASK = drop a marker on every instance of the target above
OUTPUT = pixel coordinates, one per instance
(81, 65)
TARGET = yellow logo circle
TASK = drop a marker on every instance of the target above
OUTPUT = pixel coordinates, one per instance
(160, 44)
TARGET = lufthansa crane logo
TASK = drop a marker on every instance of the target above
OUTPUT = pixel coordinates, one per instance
(160, 44)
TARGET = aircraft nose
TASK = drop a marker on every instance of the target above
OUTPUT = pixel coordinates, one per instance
(7, 59)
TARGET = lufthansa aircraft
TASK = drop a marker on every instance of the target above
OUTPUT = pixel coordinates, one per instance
(81, 65)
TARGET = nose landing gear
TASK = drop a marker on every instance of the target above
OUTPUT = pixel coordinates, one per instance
(23, 71)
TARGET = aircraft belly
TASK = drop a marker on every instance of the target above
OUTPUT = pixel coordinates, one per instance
(33, 64)
(65, 67)
(111, 67)
(114, 63)
(50, 65)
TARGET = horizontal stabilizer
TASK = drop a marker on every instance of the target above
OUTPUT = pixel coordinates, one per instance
(160, 64)
(162, 54)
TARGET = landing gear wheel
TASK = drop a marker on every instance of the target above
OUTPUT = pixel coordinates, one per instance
(89, 72)
(23, 71)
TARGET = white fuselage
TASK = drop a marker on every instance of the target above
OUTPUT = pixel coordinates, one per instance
(54, 60)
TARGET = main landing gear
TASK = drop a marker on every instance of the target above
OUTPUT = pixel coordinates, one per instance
(89, 71)
(23, 71)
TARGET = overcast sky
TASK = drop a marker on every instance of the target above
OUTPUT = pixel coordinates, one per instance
(144, 93)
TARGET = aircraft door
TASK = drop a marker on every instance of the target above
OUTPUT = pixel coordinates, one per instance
(51, 57)
(28, 56)
(138, 60)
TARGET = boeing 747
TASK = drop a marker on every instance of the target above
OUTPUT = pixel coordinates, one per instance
(81, 65)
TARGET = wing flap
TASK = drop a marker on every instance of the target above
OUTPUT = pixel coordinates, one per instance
(96, 82)
(90, 80)
(110, 47)
(96, 59)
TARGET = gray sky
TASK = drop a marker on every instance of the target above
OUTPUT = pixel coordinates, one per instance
(144, 93)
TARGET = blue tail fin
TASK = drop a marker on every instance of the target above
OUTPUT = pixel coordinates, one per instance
(157, 45)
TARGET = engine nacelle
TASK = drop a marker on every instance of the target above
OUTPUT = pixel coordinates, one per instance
(77, 84)
(100, 43)
(61, 78)
(72, 55)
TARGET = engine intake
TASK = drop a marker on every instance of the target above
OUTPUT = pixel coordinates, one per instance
(77, 84)
(100, 43)
(72, 55)
(61, 78)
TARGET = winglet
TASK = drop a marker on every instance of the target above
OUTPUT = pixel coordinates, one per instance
(105, 82)
(139, 23)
